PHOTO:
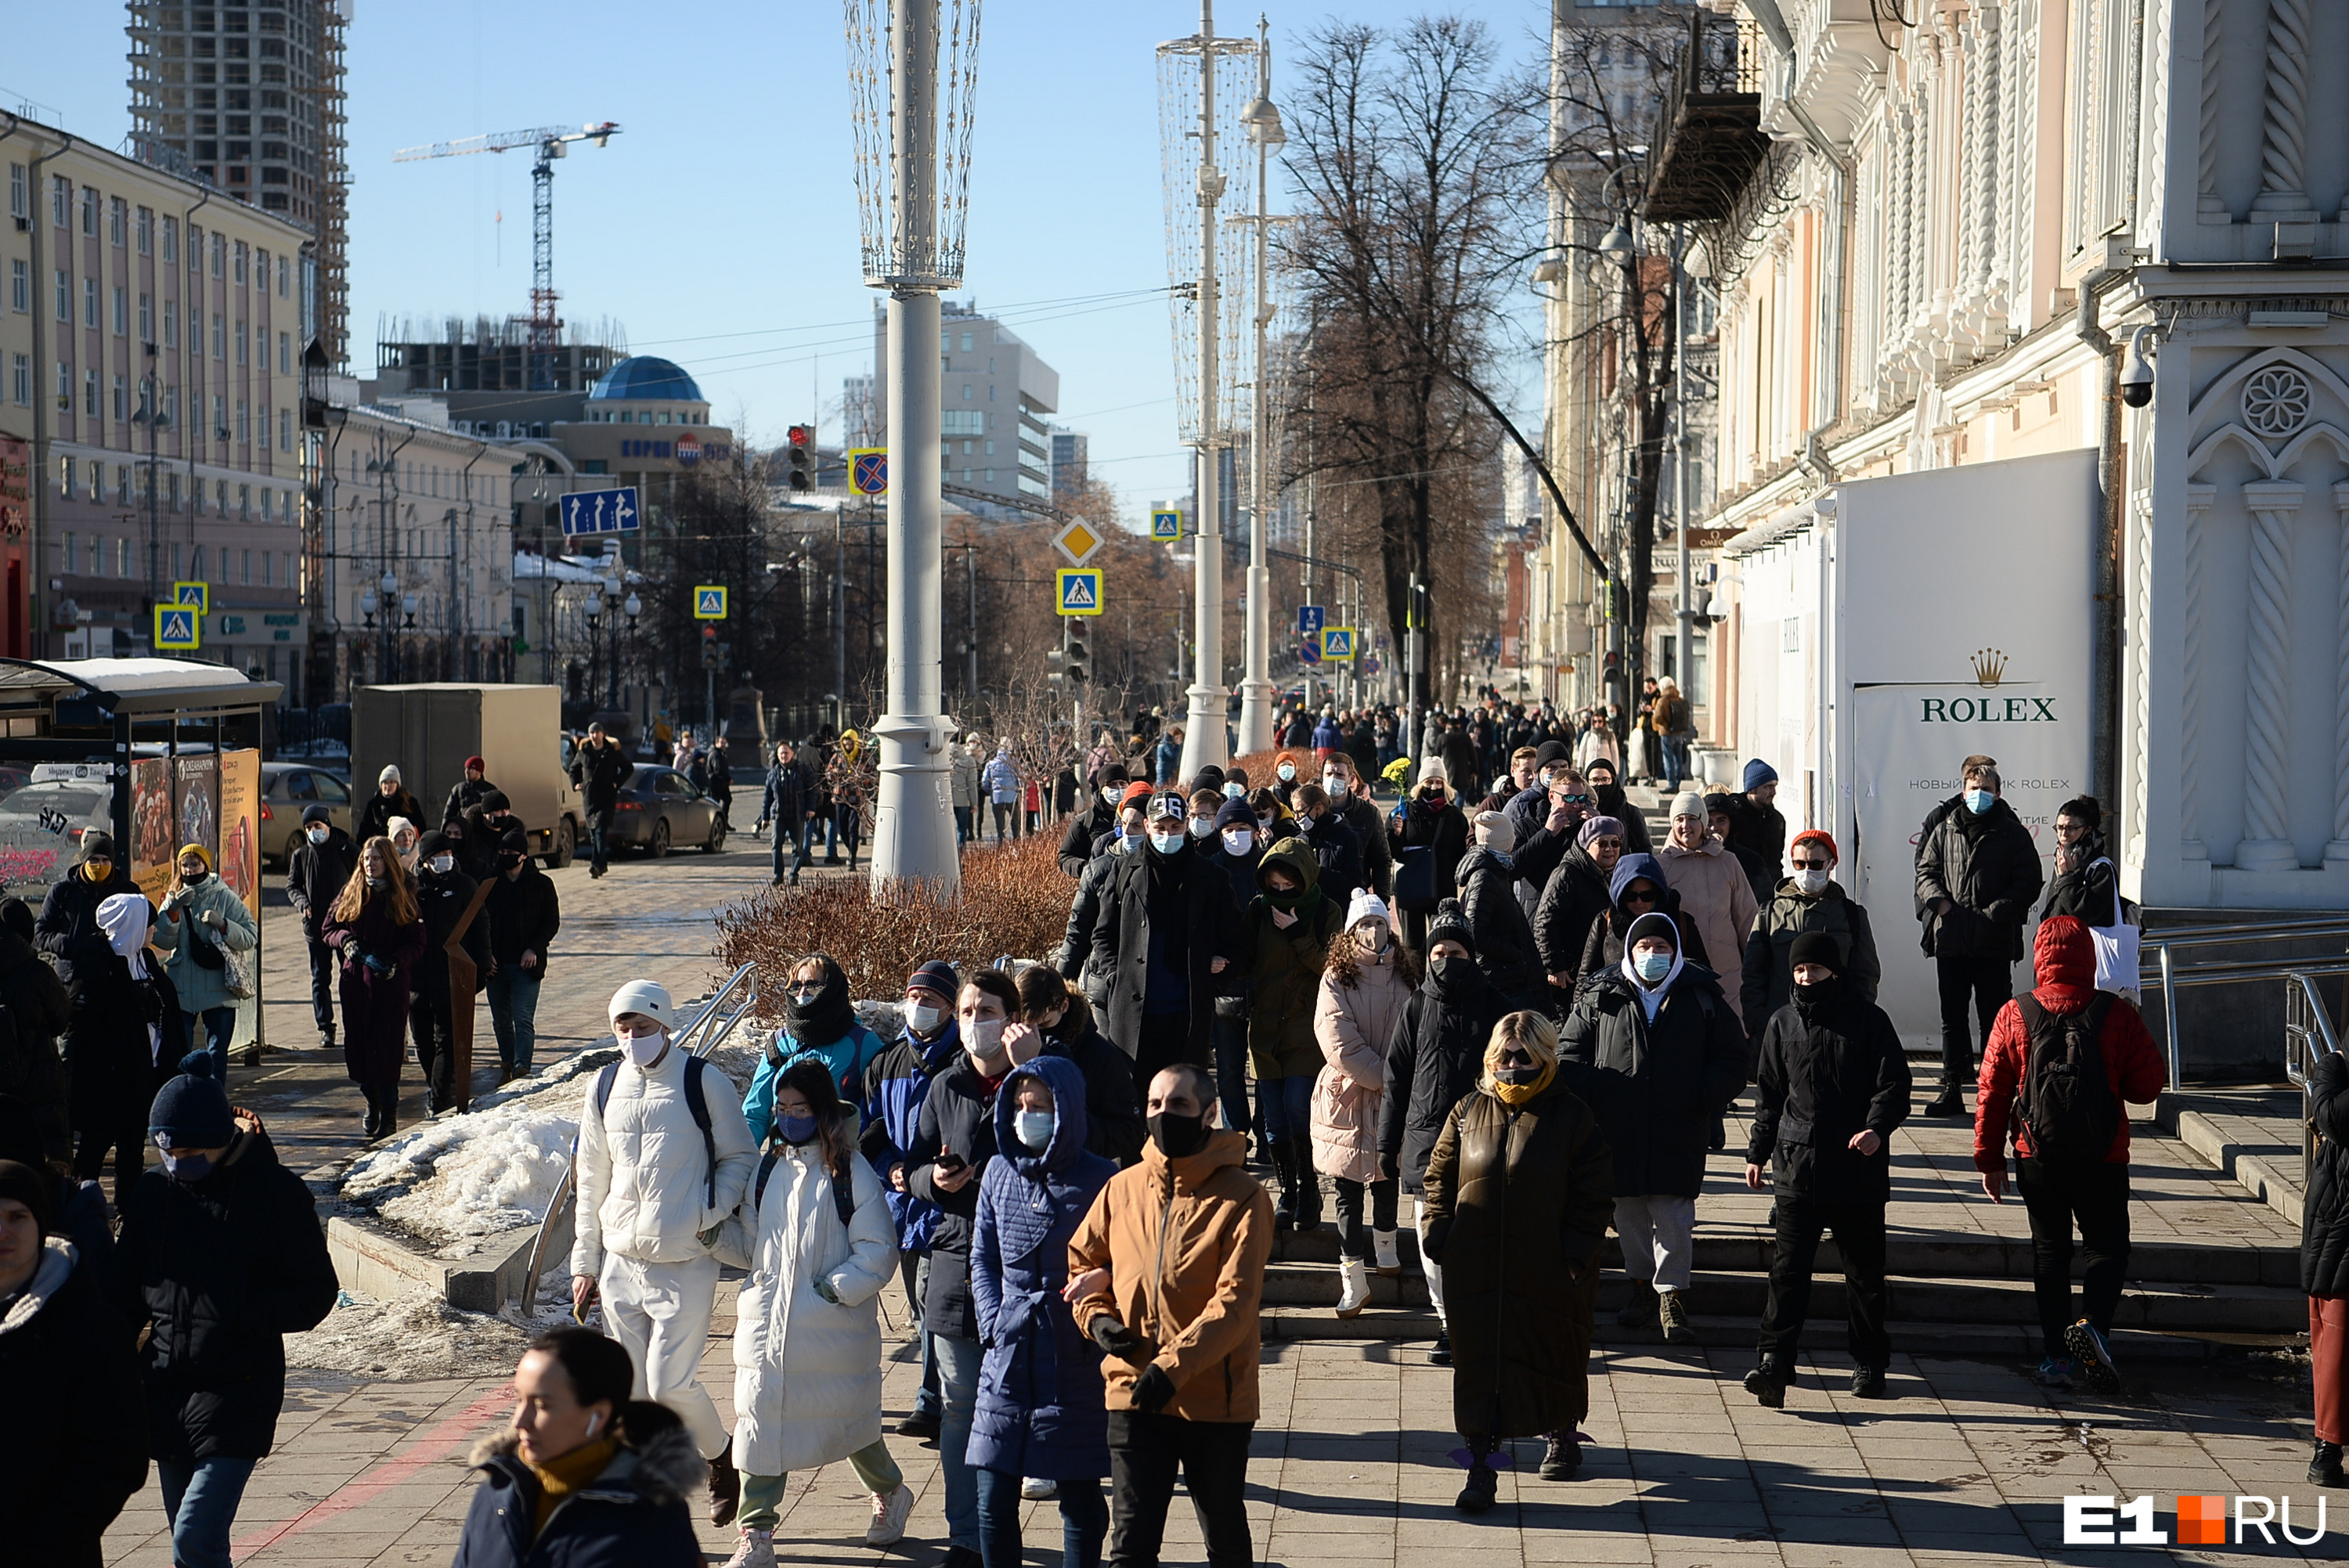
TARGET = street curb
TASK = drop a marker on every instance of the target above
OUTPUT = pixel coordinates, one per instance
(371, 1261)
(2258, 1170)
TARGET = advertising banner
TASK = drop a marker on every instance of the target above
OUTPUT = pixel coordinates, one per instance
(198, 798)
(153, 820)
(240, 827)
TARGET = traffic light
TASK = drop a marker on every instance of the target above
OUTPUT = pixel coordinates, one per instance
(708, 647)
(802, 448)
(1076, 659)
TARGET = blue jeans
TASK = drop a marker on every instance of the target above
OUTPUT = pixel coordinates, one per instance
(1230, 1039)
(1676, 760)
(599, 841)
(217, 1026)
(958, 1367)
(1285, 1106)
(795, 838)
(962, 824)
(514, 1014)
(1084, 1521)
(200, 1501)
(915, 1272)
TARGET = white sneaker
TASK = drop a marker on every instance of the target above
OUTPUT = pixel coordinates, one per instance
(756, 1549)
(888, 1526)
(1354, 1287)
(1383, 1256)
(1038, 1487)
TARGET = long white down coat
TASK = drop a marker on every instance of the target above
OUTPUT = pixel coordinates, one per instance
(807, 1374)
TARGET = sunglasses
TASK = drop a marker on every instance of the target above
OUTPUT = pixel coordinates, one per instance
(1812, 865)
(1606, 843)
(1576, 800)
(1516, 1059)
(1639, 898)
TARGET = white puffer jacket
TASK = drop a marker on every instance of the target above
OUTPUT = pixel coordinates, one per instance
(807, 1378)
(643, 1169)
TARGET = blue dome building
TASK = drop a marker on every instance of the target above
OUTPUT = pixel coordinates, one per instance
(646, 390)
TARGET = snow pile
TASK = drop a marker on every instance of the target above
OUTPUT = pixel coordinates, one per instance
(415, 1338)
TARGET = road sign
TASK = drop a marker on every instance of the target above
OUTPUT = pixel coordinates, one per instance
(1309, 651)
(868, 471)
(1077, 542)
(1310, 619)
(708, 602)
(601, 511)
(178, 628)
(1080, 590)
(1338, 644)
(200, 594)
(1371, 664)
(1166, 525)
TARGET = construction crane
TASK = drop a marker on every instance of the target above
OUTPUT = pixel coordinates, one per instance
(553, 141)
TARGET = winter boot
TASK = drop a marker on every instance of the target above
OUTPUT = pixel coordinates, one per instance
(1284, 1170)
(1671, 1311)
(1353, 1288)
(1949, 1102)
(725, 1487)
(1868, 1383)
(756, 1549)
(2324, 1469)
(1441, 1354)
(1308, 1186)
(1562, 1458)
(1483, 1486)
(1385, 1258)
(1767, 1384)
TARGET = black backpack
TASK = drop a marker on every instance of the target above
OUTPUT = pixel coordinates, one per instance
(843, 1189)
(2067, 1103)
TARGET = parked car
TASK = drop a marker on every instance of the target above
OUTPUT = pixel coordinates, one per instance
(288, 790)
(41, 825)
(660, 809)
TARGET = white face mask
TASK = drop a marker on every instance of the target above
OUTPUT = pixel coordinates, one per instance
(317, 834)
(1810, 881)
(1238, 840)
(645, 1049)
(983, 1038)
(443, 864)
(1034, 1127)
(1201, 827)
(1234, 791)
(1264, 825)
(924, 1017)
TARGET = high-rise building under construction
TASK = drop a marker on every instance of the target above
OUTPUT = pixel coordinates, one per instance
(249, 98)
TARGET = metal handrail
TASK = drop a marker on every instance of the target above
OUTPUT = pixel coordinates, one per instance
(2165, 973)
(709, 1008)
(2249, 931)
(2307, 1030)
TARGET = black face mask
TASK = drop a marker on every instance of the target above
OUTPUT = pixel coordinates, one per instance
(1451, 967)
(1178, 1136)
(1812, 996)
(1516, 1075)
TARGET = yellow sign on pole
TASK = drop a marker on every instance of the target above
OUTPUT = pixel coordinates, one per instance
(179, 628)
(868, 471)
(1080, 590)
(1338, 644)
(1166, 525)
(710, 601)
(200, 594)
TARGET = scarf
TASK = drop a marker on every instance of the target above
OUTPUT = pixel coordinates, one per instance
(559, 1477)
(1516, 1096)
(824, 1020)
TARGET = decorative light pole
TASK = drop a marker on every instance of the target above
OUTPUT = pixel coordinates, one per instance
(1263, 128)
(913, 184)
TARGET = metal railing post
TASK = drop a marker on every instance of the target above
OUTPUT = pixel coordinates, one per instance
(2170, 1019)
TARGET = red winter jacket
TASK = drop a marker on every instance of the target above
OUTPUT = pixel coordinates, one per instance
(2066, 963)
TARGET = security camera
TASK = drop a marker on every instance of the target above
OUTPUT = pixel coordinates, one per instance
(2136, 371)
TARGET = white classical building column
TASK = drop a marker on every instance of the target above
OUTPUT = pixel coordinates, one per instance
(2283, 127)
(2337, 851)
(2192, 845)
(2266, 844)
(2209, 206)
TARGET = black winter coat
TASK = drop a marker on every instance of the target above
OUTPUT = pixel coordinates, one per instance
(1337, 854)
(1210, 929)
(1989, 867)
(1757, 835)
(1829, 1070)
(1575, 899)
(116, 1065)
(221, 1269)
(374, 820)
(73, 1451)
(600, 772)
(66, 928)
(1768, 983)
(34, 1011)
(1538, 849)
(634, 1515)
(463, 796)
(1085, 826)
(1444, 836)
(958, 1118)
(443, 901)
(1113, 1124)
(1613, 802)
(1602, 950)
(1432, 1061)
(523, 912)
(316, 873)
(1085, 913)
(2089, 895)
(2324, 1211)
(1370, 824)
(791, 796)
(1658, 1087)
(1503, 936)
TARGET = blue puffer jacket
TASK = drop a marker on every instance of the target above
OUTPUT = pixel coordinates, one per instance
(848, 1057)
(1039, 1410)
(896, 1084)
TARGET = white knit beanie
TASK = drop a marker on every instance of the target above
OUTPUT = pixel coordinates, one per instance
(1689, 803)
(1366, 905)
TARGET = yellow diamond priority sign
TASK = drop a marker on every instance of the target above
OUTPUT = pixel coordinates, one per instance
(1077, 542)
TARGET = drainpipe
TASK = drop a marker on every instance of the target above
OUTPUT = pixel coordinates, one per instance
(2105, 657)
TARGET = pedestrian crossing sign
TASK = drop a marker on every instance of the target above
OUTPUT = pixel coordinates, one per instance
(1081, 590)
(710, 601)
(868, 471)
(1165, 525)
(1338, 644)
(177, 628)
(200, 594)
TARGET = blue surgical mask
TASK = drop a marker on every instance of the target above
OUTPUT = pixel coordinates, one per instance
(187, 1167)
(1034, 1127)
(1653, 966)
(1979, 800)
(1286, 772)
(1166, 843)
(1234, 791)
(795, 1128)
(1202, 826)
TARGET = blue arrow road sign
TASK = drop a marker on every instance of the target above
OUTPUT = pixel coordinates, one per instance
(601, 511)
(1310, 619)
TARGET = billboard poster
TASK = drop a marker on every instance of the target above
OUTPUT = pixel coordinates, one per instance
(152, 817)
(199, 804)
(240, 827)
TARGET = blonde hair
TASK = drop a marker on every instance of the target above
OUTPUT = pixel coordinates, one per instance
(1531, 1031)
(351, 902)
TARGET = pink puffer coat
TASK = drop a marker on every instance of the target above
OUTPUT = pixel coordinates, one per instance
(1353, 1025)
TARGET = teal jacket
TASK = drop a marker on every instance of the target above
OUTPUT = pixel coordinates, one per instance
(202, 989)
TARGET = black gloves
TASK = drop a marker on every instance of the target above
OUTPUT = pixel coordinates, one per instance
(1153, 1390)
(1116, 1339)
(1390, 1168)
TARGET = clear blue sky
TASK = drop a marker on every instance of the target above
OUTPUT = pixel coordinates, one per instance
(719, 227)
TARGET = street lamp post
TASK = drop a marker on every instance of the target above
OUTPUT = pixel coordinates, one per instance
(1263, 122)
(1204, 742)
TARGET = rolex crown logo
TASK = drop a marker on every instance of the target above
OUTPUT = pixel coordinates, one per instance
(1990, 664)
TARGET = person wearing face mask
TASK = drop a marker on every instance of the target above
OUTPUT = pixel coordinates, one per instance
(1458, 758)
(201, 916)
(1504, 938)
(1038, 1412)
(377, 929)
(1978, 874)
(1350, 801)
(1205, 804)
(963, 790)
(1637, 887)
(220, 1256)
(1166, 1278)
(322, 862)
(1658, 1055)
(1336, 850)
(1000, 779)
(1291, 925)
(1286, 774)
(954, 1142)
(68, 929)
(1063, 1024)
(1128, 837)
(1366, 983)
(1609, 799)
(392, 799)
(1547, 819)
(1433, 1058)
(1428, 833)
(1576, 899)
(1243, 840)
(522, 915)
(1520, 1188)
(1170, 939)
(1809, 900)
(1714, 892)
(663, 1157)
(124, 1030)
(405, 839)
(1099, 817)
(1831, 1084)
(815, 1233)
(445, 895)
(819, 1021)
(897, 1083)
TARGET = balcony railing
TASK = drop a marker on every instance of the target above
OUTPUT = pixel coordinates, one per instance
(1710, 137)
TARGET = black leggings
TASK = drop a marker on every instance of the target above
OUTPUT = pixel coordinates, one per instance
(1352, 1238)
(127, 1144)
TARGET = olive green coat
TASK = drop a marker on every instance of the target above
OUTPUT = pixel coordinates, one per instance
(1286, 979)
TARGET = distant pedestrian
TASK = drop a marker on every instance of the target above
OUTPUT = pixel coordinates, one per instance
(1978, 874)
(522, 915)
(1000, 780)
(1809, 900)
(788, 810)
(1609, 799)
(391, 799)
(315, 873)
(469, 791)
(1675, 728)
(444, 895)
(721, 781)
(376, 928)
(1365, 986)
(220, 1256)
(584, 1477)
(969, 813)
(1289, 926)
(1099, 817)
(1427, 828)
(1761, 830)
(600, 769)
(124, 1033)
(204, 920)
